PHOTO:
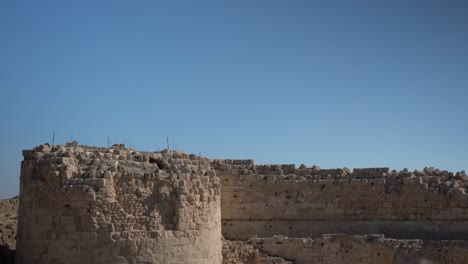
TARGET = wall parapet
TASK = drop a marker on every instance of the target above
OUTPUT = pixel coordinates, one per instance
(432, 177)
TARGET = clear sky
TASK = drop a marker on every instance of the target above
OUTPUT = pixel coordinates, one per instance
(333, 83)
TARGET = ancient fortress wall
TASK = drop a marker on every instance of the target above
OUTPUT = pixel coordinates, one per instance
(368, 249)
(83, 204)
(268, 200)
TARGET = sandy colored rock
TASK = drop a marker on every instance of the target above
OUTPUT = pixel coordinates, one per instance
(8, 222)
(8, 229)
(82, 204)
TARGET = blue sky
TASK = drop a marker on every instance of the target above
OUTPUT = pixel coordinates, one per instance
(333, 83)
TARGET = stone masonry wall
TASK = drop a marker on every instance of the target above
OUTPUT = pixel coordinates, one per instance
(235, 252)
(8, 222)
(82, 204)
(268, 200)
(369, 249)
(8, 228)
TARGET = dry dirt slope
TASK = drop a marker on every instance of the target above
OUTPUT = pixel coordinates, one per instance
(8, 227)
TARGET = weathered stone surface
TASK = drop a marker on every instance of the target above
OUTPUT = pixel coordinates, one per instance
(8, 228)
(235, 252)
(311, 203)
(83, 204)
(344, 249)
(8, 222)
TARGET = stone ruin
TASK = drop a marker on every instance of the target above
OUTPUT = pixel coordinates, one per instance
(8, 227)
(96, 205)
(82, 204)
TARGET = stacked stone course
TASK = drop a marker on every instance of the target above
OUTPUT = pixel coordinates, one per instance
(269, 200)
(235, 252)
(83, 204)
(368, 249)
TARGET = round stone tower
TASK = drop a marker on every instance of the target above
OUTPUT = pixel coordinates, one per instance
(81, 204)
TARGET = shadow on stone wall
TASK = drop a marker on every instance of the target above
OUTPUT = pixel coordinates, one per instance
(7, 255)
